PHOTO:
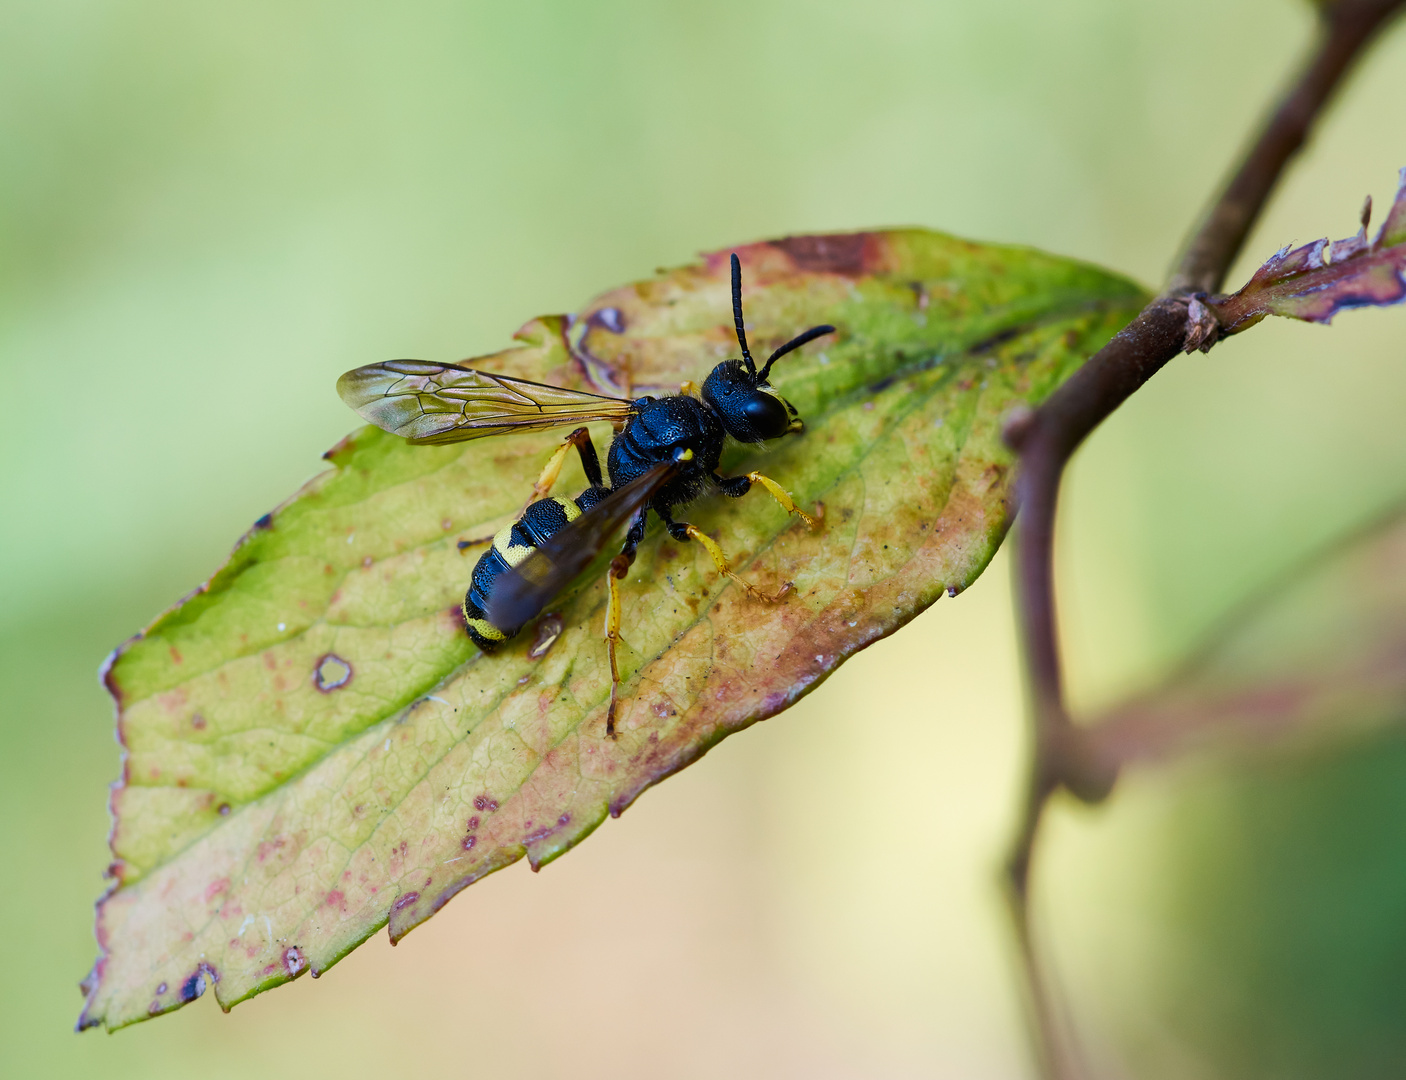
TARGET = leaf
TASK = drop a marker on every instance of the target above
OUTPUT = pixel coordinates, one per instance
(1316, 281)
(314, 748)
(1320, 655)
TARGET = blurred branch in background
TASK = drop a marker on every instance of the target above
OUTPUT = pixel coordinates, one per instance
(1066, 756)
(1319, 655)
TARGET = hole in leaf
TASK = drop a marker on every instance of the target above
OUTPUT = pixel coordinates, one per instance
(331, 673)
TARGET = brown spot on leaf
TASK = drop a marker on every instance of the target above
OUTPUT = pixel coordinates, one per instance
(838, 253)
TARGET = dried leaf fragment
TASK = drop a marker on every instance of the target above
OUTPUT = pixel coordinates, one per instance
(1317, 280)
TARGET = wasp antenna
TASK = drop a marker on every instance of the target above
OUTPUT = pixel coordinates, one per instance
(737, 314)
(795, 343)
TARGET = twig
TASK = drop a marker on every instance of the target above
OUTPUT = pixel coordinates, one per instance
(1046, 437)
(1347, 27)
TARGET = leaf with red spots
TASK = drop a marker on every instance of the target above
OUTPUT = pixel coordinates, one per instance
(1316, 281)
(1320, 655)
(313, 748)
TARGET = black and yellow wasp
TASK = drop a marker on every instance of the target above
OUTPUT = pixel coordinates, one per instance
(664, 454)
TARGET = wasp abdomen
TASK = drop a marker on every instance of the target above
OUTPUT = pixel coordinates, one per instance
(511, 546)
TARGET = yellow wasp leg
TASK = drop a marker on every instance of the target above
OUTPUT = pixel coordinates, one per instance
(552, 469)
(581, 439)
(720, 561)
(619, 567)
(688, 389)
(782, 496)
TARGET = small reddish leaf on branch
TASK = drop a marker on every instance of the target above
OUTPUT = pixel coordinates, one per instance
(1316, 281)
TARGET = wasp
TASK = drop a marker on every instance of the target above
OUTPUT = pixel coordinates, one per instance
(664, 454)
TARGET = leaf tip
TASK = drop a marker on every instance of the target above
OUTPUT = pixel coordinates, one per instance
(341, 451)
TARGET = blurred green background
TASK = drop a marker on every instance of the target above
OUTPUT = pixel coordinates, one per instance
(208, 212)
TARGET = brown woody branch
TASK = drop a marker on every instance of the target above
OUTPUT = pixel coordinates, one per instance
(1046, 437)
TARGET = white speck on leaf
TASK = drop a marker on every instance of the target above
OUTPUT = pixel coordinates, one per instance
(282, 627)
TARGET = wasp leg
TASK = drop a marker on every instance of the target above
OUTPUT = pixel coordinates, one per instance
(683, 531)
(581, 439)
(688, 388)
(619, 567)
(737, 486)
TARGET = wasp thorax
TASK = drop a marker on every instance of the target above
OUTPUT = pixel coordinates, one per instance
(749, 410)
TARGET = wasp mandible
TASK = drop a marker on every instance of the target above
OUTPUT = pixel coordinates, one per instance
(664, 455)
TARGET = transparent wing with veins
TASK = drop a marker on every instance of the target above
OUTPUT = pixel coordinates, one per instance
(445, 403)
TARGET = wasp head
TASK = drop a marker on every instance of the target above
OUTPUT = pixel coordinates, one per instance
(750, 408)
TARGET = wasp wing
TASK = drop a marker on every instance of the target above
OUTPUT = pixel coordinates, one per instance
(445, 403)
(518, 595)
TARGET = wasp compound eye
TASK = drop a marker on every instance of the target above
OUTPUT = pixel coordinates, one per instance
(767, 416)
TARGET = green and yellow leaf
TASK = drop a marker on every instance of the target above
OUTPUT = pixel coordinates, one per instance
(315, 750)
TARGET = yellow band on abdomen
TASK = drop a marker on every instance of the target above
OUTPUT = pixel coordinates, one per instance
(504, 546)
(568, 507)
